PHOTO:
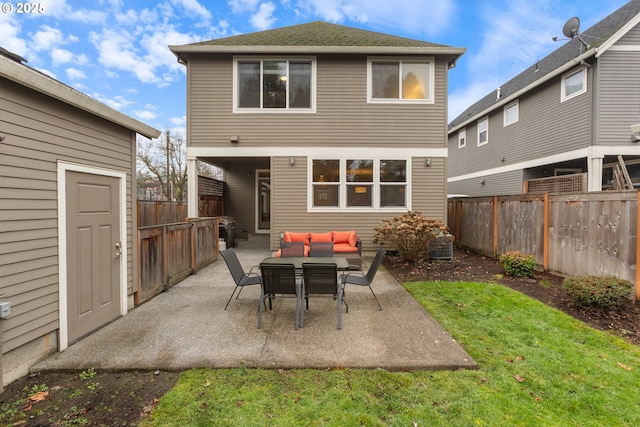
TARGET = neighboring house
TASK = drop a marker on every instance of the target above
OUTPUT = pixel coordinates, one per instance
(570, 113)
(67, 214)
(319, 127)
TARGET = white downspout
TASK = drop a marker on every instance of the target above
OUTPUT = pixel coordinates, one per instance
(192, 188)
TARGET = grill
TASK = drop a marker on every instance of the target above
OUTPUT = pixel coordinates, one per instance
(227, 227)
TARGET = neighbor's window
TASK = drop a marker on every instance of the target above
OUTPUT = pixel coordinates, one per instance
(392, 80)
(462, 138)
(483, 131)
(365, 183)
(574, 84)
(274, 85)
(511, 113)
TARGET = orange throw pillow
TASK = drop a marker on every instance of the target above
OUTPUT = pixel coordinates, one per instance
(353, 239)
(297, 237)
(341, 237)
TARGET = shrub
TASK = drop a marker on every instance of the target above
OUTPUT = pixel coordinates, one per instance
(518, 264)
(412, 234)
(607, 292)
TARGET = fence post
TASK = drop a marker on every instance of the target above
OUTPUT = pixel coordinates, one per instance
(637, 247)
(495, 227)
(165, 257)
(193, 246)
(545, 234)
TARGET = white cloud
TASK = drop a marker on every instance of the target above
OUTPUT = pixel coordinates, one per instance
(46, 39)
(195, 7)
(263, 19)
(61, 56)
(178, 121)
(117, 103)
(75, 74)
(406, 15)
(241, 6)
(145, 114)
(10, 30)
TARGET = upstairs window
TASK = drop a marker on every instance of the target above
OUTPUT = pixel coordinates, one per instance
(407, 80)
(274, 85)
(462, 138)
(511, 113)
(483, 131)
(574, 84)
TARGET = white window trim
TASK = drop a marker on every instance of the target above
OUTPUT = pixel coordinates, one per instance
(564, 97)
(261, 110)
(515, 104)
(484, 119)
(462, 138)
(429, 60)
(342, 199)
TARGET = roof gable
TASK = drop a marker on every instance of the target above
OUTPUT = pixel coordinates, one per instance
(599, 36)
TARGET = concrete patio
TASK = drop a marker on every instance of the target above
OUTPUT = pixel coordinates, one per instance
(187, 327)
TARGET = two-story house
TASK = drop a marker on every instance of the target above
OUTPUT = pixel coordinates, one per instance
(560, 125)
(319, 127)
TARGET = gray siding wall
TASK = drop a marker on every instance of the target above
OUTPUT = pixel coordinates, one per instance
(342, 116)
(501, 184)
(546, 126)
(618, 97)
(240, 195)
(40, 131)
(289, 202)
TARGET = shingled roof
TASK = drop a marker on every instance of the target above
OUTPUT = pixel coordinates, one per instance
(549, 66)
(316, 37)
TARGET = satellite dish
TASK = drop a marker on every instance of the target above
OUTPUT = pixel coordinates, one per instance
(571, 28)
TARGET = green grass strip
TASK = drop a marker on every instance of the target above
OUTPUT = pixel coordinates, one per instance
(538, 367)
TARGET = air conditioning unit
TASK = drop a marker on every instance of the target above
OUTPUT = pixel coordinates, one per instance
(444, 252)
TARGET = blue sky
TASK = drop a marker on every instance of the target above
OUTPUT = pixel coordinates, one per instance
(116, 50)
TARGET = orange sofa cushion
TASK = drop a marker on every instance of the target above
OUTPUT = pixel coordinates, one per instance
(353, 239)
(322, 237)
(341, 237)
(344, 247)
(296, 237)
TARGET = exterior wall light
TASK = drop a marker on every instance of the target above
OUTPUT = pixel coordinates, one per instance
(427, 162)
(234, 139)
(292, 161)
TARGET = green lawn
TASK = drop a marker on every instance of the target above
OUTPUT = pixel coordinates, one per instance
(538, 367)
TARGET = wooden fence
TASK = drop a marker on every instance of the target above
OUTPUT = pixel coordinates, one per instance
(157, 212)
(169, 253)
(573, 234)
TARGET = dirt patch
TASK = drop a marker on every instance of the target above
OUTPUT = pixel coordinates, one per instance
(545, 287)
(125, 398)
(83, 398)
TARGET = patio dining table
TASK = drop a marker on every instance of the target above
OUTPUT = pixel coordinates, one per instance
(340, 262)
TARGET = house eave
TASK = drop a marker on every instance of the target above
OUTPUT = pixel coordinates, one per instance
(39, 82)
(183, 51)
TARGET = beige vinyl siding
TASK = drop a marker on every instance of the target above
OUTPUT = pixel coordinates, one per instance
(240, 194)
(39, 132)
(618, 97)
(342, 117)
(289, 202)
(500, 184)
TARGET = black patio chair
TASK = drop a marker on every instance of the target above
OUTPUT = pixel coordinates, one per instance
(292, 249)
(321, 279)
(279, 281)
(321, 249)
(241, 278)
(359, 278)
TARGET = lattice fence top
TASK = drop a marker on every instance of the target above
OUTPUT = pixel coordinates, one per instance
(576, 183)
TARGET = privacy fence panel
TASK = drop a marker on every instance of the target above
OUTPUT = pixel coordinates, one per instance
(573, 234)
(594, 233)
(167, 254)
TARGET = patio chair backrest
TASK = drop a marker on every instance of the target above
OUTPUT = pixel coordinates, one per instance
(321, 249)
(292, 249)
(233, 263)
(278, 278)
(375, 264)
(320, 278)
